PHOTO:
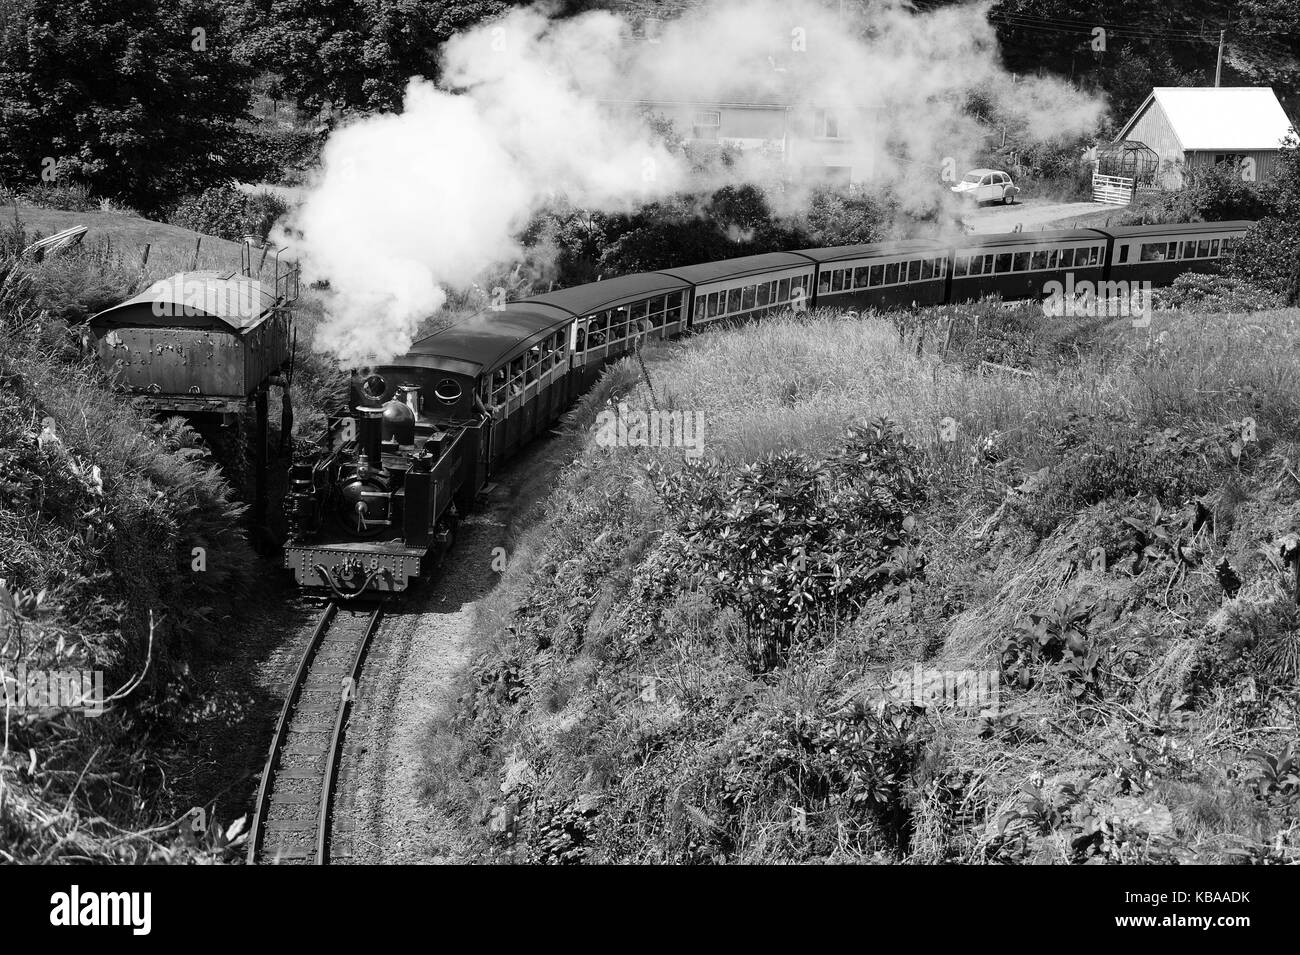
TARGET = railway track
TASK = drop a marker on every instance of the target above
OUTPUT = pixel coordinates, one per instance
(291, 819)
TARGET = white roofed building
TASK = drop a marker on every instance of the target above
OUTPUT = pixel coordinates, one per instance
(1197, 127)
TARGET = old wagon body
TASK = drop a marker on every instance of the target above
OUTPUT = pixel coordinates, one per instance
(197, 341)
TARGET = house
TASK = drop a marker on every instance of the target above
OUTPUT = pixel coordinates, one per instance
(800, 140)
(1197, 127)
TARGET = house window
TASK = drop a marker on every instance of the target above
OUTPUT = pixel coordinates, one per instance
(1232, 160)
(826, 124)
(706, 123)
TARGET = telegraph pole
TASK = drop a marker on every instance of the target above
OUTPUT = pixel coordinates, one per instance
(1218, 67)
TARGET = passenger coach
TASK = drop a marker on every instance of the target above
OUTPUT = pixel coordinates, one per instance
(1160, 253)
(1020, 264)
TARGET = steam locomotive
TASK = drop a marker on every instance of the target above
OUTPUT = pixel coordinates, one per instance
(376, 510)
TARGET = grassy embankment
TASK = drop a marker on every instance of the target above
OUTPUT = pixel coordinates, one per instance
(686, 663)
(98, 528)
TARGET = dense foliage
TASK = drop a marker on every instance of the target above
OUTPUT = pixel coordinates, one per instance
(229, 213)
(154, 104)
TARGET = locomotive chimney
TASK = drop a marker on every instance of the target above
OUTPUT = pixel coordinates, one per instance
(370, 432)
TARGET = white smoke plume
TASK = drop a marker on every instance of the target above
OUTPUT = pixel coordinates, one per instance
(407, 205)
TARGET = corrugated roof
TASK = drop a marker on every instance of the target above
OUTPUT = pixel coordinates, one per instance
(227, 297)
(1223, 117)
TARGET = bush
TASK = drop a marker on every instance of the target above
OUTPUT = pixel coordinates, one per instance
(229, 213)
(68, 198)
(265, 153)
(1209, 292)
(793, 543)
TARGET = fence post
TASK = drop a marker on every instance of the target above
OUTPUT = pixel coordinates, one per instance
(197, 242)
(144, 256)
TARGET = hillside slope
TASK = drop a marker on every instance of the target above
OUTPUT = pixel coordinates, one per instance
(710, 662)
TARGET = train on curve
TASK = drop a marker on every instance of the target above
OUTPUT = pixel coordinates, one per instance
(375, 511)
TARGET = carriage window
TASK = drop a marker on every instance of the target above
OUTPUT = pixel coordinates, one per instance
(927, 268)
(717, 302)
(876, 276)
(764, 294)
(1152, 252)
(1021, 262)
(733, 300)
(1203, 248)
(747, 298)
(499, 386)
(534, 357)
(1066, 258)
(860, 277)
(959, 270)
(891, 273)
(1038, 261)
(641, 309)
(1002, 263)
(700, 305)
(911, 271)
(823, 283)
(837, 280)
(783, 291)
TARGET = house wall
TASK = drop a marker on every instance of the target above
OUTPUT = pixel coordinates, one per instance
(792, 134)
(1265, 160)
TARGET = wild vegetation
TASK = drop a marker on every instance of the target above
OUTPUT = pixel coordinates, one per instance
(689, 662)
(124, 549)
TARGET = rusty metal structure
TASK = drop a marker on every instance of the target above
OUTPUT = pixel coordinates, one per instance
(207, 342)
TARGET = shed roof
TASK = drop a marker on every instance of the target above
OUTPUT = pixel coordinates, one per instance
(1219, 117)
(203, 298)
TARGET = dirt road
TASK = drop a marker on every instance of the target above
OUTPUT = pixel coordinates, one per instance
(1034, 214)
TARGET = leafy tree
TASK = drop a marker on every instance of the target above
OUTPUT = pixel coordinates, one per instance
(354, 54)
(138, 99)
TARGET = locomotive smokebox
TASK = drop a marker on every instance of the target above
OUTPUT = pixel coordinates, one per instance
(370, 433)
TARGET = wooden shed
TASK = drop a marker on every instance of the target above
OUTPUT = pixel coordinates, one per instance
(197, 341)
(1199, 127)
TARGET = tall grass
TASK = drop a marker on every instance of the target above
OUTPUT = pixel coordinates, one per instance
(1040, 440)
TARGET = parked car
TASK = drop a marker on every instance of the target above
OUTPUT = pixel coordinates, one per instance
(987, 185)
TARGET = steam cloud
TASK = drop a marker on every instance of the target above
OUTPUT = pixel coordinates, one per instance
(407, 205)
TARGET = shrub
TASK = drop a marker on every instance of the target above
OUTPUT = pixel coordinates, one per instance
(229, 213)
(793, 542)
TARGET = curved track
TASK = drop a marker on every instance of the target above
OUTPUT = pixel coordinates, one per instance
(291, 819)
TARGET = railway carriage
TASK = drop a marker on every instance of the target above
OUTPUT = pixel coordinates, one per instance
(1160, 253)
(882, 274)
(433, 425)
(749, 287)
(1019, 265)
(608, 318)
